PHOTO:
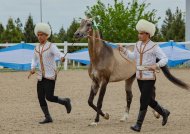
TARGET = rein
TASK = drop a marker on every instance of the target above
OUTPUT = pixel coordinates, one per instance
(59, 69)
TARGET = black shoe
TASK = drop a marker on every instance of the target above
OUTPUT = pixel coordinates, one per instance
(164, 112)
(48, 118)
(165, 117)
(66, 102)
(138, 125)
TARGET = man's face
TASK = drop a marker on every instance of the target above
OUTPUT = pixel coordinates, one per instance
(42, 37)
(143, 36)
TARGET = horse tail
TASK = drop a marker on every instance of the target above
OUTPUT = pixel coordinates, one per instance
(173, 79)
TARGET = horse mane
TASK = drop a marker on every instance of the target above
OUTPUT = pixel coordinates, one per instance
(106, 46)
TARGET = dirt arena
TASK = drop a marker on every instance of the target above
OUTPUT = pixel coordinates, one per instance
(20, 111)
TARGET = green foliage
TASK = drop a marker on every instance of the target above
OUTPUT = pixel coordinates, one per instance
(12, 33)
(62, 35)
(118, 22)
(174, 26)
(29, 36)
(19, 28)
(69, 37)
(1, 32)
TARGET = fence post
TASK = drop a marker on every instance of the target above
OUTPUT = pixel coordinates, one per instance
(78, 65)
(65, 51)
(73, 64)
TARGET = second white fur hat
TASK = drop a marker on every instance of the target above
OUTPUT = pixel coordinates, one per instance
(146, 26)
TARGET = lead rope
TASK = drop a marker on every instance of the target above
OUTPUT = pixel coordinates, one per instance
(61, 67)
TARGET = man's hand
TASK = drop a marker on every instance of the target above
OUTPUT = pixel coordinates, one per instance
(153, 67)
(121, 48)
(62, 59)
(31, 73)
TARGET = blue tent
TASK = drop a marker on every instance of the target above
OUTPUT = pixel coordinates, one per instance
(17, 57)
(176, 53)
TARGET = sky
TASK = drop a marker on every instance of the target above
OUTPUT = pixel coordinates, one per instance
(61, 12)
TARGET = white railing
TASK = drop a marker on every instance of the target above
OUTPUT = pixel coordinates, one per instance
(66, 45)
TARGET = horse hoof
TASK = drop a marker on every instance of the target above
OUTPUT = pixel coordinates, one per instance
(106, 116)
(156, 115)
(93, 124)
(125, 117)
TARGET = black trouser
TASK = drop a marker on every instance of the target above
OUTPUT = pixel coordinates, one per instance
(147, 90)
(45, 90)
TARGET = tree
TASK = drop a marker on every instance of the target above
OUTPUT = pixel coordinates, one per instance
(11, 34)
(18, 24)
(19, 28)
(174, 26)
(58, 38)
(118, 22)
(1, 32)
(70, 32)
(29, 35)
(62, 35)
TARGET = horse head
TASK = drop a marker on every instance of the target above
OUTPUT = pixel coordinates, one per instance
(85, 26)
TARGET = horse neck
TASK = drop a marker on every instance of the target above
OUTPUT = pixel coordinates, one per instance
(94, 45)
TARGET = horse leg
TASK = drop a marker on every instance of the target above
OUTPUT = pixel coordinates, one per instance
(90, 102)
(129, 97)
(100, 101)
(156, 114)
(93, 92)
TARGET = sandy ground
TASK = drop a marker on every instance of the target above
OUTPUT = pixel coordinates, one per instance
(20, 111)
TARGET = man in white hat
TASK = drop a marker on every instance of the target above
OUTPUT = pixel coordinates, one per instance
(145, 54)
(44, 57)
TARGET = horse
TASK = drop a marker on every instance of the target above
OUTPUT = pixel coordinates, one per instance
(108, 65)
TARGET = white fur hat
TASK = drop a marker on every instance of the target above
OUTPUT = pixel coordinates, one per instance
(42, 27)
(146, 26)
